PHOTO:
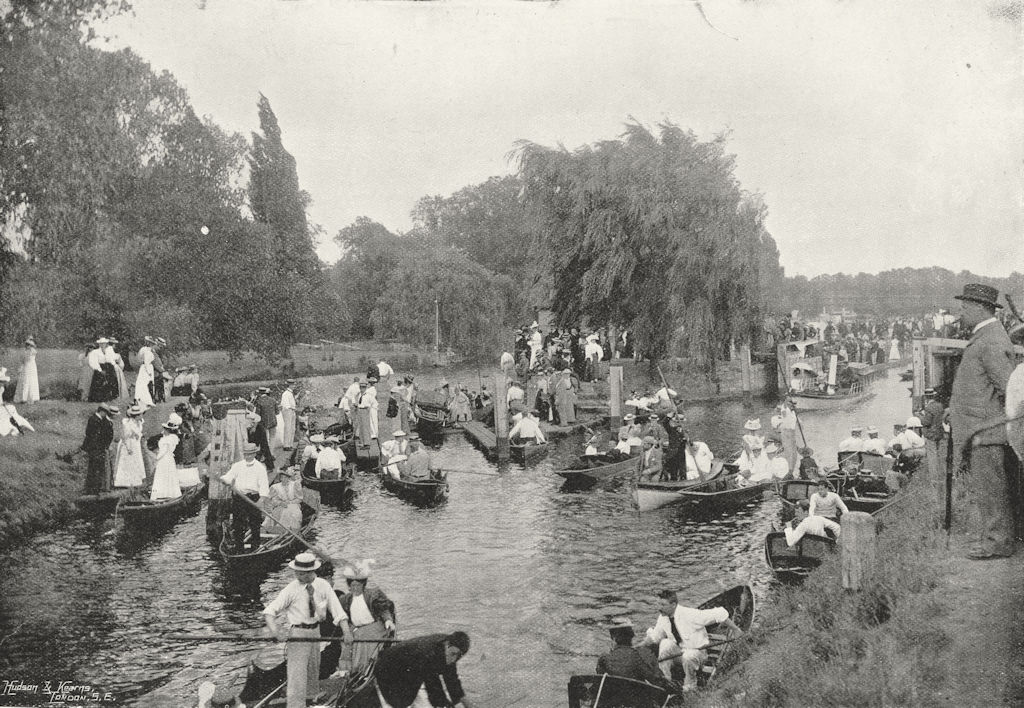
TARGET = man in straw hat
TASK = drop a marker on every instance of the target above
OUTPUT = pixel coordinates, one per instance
(248, 477)
(979, 395)
(410, 673)
(304, 602)
(99, 434)
(370, 612)
(626, 661)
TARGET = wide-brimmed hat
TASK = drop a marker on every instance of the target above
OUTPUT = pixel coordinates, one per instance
(174, 419)
(398, 434)
(332, 440)
(170, 426)
(103, 340)
(133, 411)
(913, 422)
(287, 381)
(316, 438)
(149, 339)
(305, 561)
(372, 380)
(620, 625)
(872, 430)
(413, 436)
(358, 570)
(263, 389)
(929, 391)
(250, 449)
(857, 429)
(109, 408)
(979, 292)
(752, 424)
(30, 341)
(290, 470)
(161, 340)
(628, 416)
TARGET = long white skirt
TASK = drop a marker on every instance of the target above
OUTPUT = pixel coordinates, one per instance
(142, 381)
(28, 382)
(130, 470)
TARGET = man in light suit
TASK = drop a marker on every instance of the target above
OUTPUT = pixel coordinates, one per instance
(979, 396)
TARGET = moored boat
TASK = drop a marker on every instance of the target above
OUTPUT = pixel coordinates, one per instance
(424, 492)
(589, 472)
(822, 401)
(607, 691)
(792, 565)
(103, 504)
(332, 490)
(653, 495)
(274, 550)
(723, 492)
(527, 452)
(143, 515)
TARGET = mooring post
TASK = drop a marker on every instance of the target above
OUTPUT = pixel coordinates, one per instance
(857, 544)
(615, 396)
(745, 364)
(501, 416)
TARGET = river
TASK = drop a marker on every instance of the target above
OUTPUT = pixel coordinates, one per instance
(532, 573)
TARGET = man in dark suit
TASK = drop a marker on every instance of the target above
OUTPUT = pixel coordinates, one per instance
(411, 672)
(99, 433)
(627, 661)
(978, 400)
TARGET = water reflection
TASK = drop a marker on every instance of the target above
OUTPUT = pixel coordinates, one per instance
(531, 571)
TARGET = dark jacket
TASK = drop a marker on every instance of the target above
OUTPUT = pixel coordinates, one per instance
(380, 606)
(266, 408)
(99, 433)
(931, 420)
(402, 668)
(629, 663)
(979, 389)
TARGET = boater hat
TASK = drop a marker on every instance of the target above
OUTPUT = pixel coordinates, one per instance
(249, 449)
(305, 561)
(979, 292)
(398, 434)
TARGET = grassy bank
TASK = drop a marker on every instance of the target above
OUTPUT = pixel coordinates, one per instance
(895, 642)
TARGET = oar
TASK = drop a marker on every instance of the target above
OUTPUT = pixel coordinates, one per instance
(664, 658)
(248, 638)
(323, 554)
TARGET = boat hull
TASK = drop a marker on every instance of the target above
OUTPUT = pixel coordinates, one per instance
(592, 475)
(274, 551)
(648, 496)
(792, 565)
(824, 402)
(421, 493)
(143, 516)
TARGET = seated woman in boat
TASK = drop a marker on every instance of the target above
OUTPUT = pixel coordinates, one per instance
(165, 478)
(753, 465)
(371, 613)
(328, 462)
(778, 466)
(527, 430)
(284, 502)
(591, 449)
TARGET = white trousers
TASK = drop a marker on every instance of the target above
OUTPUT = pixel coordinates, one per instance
(421, 700)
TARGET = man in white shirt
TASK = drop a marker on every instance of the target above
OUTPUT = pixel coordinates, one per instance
(825, 502)
(398, 445)
(384, 369)
(305, 602)
(754, 465)
(328, 462)
(681, 635)
(802, 525)
(849, 447)
(288, 415)
(248, 477)
(350, 399)
(527, 430)
(515, 393)
(910, 438)
(874, 444)
(778, 466)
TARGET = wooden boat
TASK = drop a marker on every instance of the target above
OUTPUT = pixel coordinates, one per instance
(586, 690)
(722, 492)
(425, 492)
(653, 495)
(274, 550)
(527, 452)
(821, 401)
(588, 472)
(145, 515)
(793, 491)
(333, 490)
(791, 565)
(96, 505)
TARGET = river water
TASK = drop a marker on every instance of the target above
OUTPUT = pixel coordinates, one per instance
(532, 573)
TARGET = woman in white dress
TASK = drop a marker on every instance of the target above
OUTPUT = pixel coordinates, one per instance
(285, 499)
(165, 478)
(130, 470)
(28, 382)
(894, 349)
(144, 378)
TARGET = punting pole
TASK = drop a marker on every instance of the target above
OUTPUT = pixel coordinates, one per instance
(501, 416)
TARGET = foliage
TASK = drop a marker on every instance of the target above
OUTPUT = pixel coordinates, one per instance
(653, 233)
(370, 253)
(471, 301)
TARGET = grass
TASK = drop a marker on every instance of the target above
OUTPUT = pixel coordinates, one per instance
(885, 645)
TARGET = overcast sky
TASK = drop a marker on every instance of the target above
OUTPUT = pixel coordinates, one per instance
(882, 134)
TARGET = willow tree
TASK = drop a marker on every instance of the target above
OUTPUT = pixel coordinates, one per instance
(652, 232)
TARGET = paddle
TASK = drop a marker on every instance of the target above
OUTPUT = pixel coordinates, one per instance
(689, 447)
(323, 554)
(247, 638)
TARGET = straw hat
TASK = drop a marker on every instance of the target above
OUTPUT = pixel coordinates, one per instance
(249, 449)
(170, 426)
(316, 438)
(305, 561)
(109, 408)
(752, 424)
(359, 570)
(398, 434)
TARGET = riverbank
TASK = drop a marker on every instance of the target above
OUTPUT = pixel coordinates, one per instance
(929, 628)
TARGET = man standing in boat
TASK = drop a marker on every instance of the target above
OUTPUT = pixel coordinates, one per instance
(248, 477)
(304, 602)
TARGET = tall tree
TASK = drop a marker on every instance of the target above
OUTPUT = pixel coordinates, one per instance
(369, 253)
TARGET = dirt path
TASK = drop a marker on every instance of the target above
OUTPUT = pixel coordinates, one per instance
(986, 666)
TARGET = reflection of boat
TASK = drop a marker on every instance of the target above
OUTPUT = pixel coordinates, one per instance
(793, 564)
(652, 495)
(597, 690)
(585, 476)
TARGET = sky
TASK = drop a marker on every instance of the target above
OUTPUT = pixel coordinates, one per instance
(881, 134)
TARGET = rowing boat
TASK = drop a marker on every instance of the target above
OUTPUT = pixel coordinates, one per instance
(653, 495)
(587, 472)
(331, 490)
(422, 492)
(588, 689)
(274, 549)
(722, 492)
(527, 452)
(143, 515)
(103, 504)
(822, 401)
(791, 565)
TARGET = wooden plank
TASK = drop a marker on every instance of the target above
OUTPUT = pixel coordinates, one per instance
(483, 437)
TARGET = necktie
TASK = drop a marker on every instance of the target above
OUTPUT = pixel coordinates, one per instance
(312, 605)
(675, 632)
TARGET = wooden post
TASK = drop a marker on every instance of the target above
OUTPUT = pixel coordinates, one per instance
(615, 397)
(745, 374)
(917, 393)
(857, 544)
(501, 416)
(782, 368)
